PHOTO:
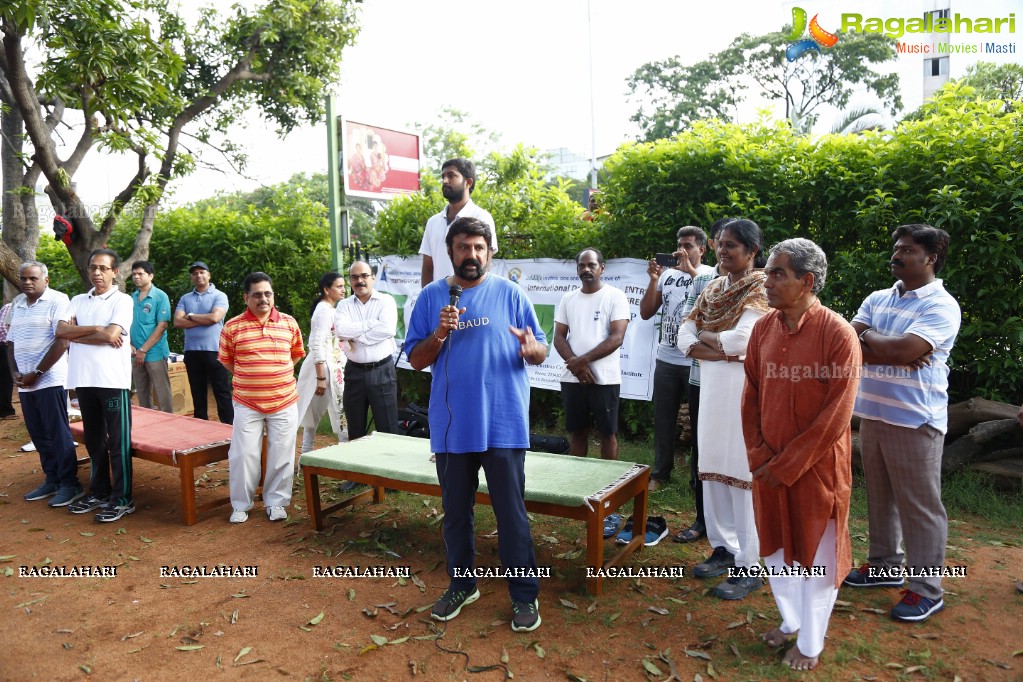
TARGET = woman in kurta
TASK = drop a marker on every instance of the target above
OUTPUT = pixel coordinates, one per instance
(716, 334)
(321, 379)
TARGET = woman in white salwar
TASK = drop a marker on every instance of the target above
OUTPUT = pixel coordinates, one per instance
(321, 379)
(716, 334)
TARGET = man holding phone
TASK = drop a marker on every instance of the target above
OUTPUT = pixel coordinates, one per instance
(668, 291)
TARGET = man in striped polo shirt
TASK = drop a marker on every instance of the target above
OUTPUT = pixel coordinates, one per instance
(906, 334)
(38, 361)
(260, 347)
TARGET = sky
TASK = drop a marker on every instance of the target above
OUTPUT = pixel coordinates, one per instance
(518, 68)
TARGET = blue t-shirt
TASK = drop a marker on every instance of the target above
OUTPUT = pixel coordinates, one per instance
(149, 312)
(206, 337)
(488, 392)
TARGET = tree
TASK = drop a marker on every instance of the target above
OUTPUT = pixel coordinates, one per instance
(673, 96)
(983, 80)
(454, 134)
(143, 82)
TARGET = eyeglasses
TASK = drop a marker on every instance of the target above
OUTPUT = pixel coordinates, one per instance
(261, 294)
(358, 277)
(99, 268)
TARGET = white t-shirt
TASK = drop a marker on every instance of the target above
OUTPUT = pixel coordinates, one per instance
(33, 330)
(675, 286)
(435, 237)
(589, 318)
(101, 366)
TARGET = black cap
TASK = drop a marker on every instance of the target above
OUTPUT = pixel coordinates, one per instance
(198, 264)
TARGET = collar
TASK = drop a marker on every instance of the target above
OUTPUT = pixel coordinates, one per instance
(933, 287)
(203, 293)
(813, 312)
(274, 316)
(444, 211)
(375, 294)
(92, 294)
(47, 295)
(137, 294)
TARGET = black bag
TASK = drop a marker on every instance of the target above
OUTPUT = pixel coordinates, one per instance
(414, 421)
(556, 445)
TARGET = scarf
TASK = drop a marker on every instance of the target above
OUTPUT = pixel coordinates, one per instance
(720, 306)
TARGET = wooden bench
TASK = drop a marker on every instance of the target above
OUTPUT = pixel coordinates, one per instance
(384, 460)
(181, 442)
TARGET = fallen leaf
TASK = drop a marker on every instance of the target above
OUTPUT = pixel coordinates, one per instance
(85, 669)
(998, 664)
(696, 653)
(372, 613)
(190, 647)
(736, 624)
(676, 601)
(549, 539)
(234, 617)
(143, 538)
(240, 595)
(7, 557)
(132, 635)
(651, 668)
(711, 672)
(504, 655)
(879, 612)
(368, 647)
(926, 635)
(120, 531)
(316, 620)
(658, 610)
(567, 604)
(894, 666)
(539, 651)
(351, 594)
(914, 668)
(378, 640)
(613, 617)
(418, 583)
(1017, 652)
(591, 608)
(85, 534)
(244, 651)
(400, 640)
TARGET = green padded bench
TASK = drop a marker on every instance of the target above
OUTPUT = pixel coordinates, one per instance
(556, 485)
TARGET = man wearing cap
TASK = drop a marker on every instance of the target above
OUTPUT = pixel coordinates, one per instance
(201, 313)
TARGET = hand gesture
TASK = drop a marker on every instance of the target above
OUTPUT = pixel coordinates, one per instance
(448, 319)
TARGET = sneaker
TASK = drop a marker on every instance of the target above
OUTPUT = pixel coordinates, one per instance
(67, 494)
(451, 602)
(42, 492)
(114, 512)
(239, 516)
(861, 577)
(276, 513)
(625, 536)
(656, 485)
(656, 530)
(612, 523)
(525, 616)
(737, 588)
(914, 608)
(86, 504)
(716, 564)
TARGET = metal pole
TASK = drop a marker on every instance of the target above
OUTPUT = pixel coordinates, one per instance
(336, 210)
(593, 115)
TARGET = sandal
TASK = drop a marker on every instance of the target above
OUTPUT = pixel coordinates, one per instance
(690, 534)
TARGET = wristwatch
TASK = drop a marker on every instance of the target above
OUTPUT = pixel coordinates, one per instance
(39, 372)
(864, 333)
(188, 316)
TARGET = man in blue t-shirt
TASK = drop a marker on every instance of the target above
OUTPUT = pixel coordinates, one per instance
(201, 313)
(492, 335)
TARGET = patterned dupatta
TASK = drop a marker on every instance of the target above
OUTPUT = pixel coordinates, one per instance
(720, 306)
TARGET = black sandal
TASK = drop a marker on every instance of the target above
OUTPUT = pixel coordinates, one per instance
(691, 534)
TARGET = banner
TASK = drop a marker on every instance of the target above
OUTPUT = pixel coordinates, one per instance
(545, 281)
(378, 163)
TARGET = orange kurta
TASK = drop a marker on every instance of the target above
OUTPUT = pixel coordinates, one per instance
(796, 411)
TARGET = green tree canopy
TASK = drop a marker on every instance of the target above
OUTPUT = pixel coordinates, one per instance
(673, 95)
(146, 85)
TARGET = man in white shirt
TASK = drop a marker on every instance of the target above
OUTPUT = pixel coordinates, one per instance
(458, 180)
(99, 369)
(589, 328)
(368, 321)
(38, 361)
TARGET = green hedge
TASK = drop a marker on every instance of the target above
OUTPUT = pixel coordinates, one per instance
(959, 168)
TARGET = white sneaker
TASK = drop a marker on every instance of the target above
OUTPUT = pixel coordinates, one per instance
(276, 513)
(238, 516)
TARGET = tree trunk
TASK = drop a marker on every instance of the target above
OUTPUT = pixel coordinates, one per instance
(965, 415)
(20, 217)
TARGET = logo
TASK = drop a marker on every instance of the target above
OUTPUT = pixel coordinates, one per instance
(515, 274)
(818, 36)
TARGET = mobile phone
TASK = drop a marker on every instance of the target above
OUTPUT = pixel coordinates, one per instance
(666, 260)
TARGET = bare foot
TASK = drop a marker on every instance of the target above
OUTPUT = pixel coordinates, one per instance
(797, 661)
(775, 637)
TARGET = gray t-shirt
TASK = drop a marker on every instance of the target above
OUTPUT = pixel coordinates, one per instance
(675, 286)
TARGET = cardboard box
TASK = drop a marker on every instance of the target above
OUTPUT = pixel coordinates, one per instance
(181, 393)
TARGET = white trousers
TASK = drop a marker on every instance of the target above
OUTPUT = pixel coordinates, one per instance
(730, 522)
(805, 604)
(243, 458)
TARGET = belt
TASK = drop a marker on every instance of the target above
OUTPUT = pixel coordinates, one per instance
(368, 365)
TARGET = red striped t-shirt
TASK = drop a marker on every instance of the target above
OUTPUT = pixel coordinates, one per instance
(264, 357)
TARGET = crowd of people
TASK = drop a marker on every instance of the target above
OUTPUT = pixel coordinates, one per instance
(772, 379)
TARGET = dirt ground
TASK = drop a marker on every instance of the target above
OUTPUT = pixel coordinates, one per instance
(286, 624)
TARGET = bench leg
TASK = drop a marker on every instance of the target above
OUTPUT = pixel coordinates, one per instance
(312, 499)
(595, 550)
(187, 470)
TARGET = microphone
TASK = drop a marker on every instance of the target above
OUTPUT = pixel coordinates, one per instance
(454, 292)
